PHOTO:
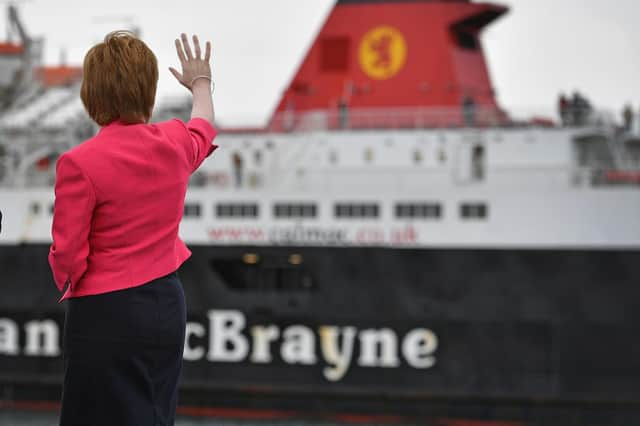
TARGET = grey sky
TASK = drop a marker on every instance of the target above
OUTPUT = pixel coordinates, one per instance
(540, 48)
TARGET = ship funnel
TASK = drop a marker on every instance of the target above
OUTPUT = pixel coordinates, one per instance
(377, 54)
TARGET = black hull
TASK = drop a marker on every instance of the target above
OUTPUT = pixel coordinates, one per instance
(528, 335)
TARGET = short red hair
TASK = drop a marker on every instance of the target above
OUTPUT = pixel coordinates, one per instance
(120, 79)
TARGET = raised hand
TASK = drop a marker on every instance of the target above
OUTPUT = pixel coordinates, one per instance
(194, 67)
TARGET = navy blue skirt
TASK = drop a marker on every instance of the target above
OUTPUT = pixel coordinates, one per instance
(123, 356)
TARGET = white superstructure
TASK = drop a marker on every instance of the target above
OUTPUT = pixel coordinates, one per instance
(521, 186)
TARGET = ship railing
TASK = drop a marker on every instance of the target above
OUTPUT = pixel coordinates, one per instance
(529, 177)
(402, 178)
(431, 118)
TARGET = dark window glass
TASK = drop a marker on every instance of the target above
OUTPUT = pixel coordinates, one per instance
(359, 210)
(474, 211)
(370, 210)
(478, 163)
(403, 210)
(237, 210)
(35, 208)
(419, 210)
(333, 157)
(296, 210)
(254, 272)
(466, 39)
(223, 210)
(192, 210)
(309, 210)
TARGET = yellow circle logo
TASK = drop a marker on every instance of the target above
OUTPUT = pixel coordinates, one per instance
(383, 52)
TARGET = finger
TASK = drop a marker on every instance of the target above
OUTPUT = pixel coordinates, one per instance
(180, 52)
(178, 77)
(196, 46)
(187, 48)
(176, 74)
(207, 52)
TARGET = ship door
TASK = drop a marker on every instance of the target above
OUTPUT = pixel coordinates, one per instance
(471, 163)
(463, 162)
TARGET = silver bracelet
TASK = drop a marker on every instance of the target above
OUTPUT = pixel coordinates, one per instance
(213, 84)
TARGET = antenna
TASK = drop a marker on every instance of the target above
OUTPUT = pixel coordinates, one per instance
(13, 21)
(23, 73)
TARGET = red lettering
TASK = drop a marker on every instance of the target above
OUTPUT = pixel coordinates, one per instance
(406, 235)
(370, 235)
(236, 234)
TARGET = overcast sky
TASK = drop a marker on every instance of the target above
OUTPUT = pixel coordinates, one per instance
(540, 48)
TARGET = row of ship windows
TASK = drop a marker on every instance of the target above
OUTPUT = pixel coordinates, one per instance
(341, 210)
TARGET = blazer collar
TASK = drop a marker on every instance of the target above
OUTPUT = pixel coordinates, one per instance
(116, 124)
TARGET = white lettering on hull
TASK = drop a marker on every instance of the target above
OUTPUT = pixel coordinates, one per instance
(190, 353)
(9, 344)
(226, 343)
(418, 348)
(379, 348)
(299, 346)
(337, 355)
(262, 338)
(42, 338)
(227, 339)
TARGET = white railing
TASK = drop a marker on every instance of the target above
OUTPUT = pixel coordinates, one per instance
(427, 118)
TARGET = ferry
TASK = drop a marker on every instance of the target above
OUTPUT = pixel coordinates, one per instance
(392, 246)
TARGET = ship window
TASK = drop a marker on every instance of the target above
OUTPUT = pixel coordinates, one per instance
(237, 210)
(478, 163)
(333, 157)
(237, 161)
(192, 210)
(368, 155)
(442, 155)
(34, 208)
(361, 210)
(253, 272)
(334, 54)
(419, 210)
(474, 211)
(298, 210)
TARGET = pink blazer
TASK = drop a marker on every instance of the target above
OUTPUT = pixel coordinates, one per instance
(119, 202)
